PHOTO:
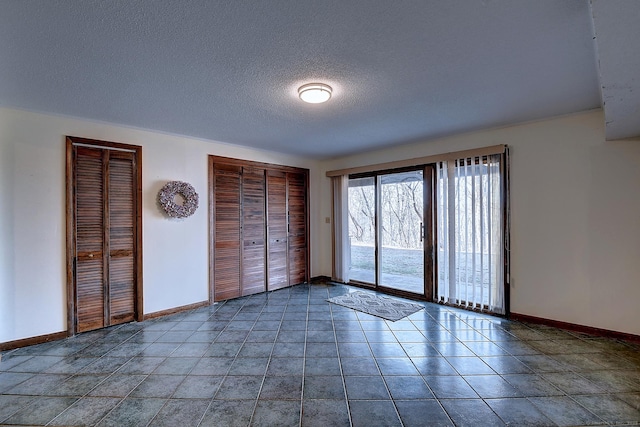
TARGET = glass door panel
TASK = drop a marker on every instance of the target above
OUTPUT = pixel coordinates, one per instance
(362, 230)
(401, 231)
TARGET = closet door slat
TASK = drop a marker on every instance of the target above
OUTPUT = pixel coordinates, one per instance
(121, 238)
(227, 231)
(278, 272)
(90, 225)
(253, 230)
(297, 201)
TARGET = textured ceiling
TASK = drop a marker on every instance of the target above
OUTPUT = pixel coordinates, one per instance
(617, 28)
(402, 71)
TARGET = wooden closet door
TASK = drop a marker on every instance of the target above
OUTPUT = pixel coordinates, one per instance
(121, 237)
(259, 233)
(297, 201)
(253, 231)
(277, 259)
(105, 238)
(227, 185)
(90, 256)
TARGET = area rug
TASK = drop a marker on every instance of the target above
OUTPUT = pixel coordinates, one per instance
(387, 308)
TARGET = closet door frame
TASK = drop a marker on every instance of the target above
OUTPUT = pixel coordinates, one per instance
(71, 243)
(247, 163)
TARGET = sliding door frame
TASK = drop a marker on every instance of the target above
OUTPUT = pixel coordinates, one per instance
(428, 237)
(431, 255)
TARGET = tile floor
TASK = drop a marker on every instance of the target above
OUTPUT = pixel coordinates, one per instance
(289, 358)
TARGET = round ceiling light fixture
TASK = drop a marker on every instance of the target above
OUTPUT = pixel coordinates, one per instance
(315, 93)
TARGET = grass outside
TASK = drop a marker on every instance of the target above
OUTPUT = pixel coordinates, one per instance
(406, 262)
(409, 262)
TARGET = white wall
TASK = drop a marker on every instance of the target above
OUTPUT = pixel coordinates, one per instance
(575, 225)
(32, 217)
(575, 217)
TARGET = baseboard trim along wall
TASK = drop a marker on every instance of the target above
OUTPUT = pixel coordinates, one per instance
(575, 327)
(10, 345)
(175, 310)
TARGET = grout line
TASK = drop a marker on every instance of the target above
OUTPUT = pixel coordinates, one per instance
(204, 414)
(304, 355)
(344, 382)
(375, 360)
(147, 375)
(264, 376)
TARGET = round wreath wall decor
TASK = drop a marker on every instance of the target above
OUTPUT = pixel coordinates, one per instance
(167, 195)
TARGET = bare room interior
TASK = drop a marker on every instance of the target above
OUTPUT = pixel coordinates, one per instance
(319, 213)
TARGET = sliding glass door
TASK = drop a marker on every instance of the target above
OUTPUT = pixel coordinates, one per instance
(401, 231)
(362, 229)
(438, 231)
(387, 226)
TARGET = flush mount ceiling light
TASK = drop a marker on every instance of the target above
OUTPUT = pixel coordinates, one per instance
(315, 93)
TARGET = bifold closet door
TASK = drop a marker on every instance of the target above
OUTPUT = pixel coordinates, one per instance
(297, 205)
(121, 238)
(105, 237)
(90, 242)
(253, 231)
(259, 227)
(227, 208)
(277, 259)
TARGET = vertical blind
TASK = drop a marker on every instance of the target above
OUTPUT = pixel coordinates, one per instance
(341, 249)
(470, 237)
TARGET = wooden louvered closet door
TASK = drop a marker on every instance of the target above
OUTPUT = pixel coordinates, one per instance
(297, 201)
(227, 208)
(121, 238)
(105, 274)
(278, 273)
(90, 224)
(253, 231)
(259, 227)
